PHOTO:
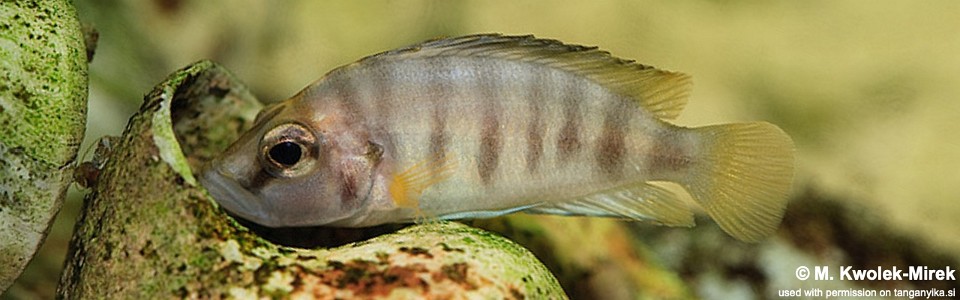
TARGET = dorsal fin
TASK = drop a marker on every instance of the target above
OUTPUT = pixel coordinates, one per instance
(662, 93)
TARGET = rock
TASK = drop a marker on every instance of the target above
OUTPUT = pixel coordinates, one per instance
(43, 107)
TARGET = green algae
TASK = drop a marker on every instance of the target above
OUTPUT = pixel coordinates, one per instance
(43, 94)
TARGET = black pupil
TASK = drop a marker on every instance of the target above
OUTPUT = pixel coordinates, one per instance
(286, 153)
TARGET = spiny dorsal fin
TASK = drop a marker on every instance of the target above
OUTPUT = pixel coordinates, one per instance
(662, 93)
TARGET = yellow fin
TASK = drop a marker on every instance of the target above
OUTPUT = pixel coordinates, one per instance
(662, 93)
(407, 186)
(743, 176)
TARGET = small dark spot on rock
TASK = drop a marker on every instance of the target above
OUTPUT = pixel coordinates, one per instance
(336, 265)
(147, 249)
(182, 292)
(305, 258)
(457, 272)
(447, 248)
(383, 257)
(355, 271)
(416, 251)
(108, 251)
(218, 91)
(516, 293)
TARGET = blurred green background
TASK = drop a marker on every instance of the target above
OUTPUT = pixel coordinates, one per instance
(868, 89)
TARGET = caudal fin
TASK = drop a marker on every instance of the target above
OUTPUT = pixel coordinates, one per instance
(742, 177)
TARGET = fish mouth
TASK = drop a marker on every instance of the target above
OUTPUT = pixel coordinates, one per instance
(229, 193)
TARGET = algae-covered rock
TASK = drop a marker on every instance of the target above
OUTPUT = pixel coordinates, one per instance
(43, 95)
(593, 258)
(148, 230)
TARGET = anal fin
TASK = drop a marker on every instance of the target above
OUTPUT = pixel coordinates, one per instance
(640, 202)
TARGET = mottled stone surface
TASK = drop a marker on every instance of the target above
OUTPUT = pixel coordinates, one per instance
(43, 97)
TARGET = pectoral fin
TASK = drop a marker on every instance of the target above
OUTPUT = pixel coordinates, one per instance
(641, 202)
(407, 186)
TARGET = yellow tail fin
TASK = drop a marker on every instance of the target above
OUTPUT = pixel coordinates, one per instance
(743, 176)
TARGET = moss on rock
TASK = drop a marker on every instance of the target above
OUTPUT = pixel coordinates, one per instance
(43, 95)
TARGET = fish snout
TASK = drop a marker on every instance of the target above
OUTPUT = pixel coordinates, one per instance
(222, 184)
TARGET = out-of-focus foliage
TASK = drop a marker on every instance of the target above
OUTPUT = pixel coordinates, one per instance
(867, 89)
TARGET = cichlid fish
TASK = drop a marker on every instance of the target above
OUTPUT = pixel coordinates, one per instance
(485, 125)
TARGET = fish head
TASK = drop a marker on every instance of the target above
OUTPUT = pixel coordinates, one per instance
(300, 165)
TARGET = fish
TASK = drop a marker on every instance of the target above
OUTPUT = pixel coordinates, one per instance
(485, 125)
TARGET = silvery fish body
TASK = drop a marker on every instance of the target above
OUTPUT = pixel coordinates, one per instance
(485, 125)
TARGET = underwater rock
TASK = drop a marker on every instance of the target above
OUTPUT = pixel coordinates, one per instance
(43, 108)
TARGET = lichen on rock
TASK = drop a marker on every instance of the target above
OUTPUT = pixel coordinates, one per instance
(43, 96)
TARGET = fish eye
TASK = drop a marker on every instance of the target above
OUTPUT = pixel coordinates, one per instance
(286, 153)
(289, 150)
